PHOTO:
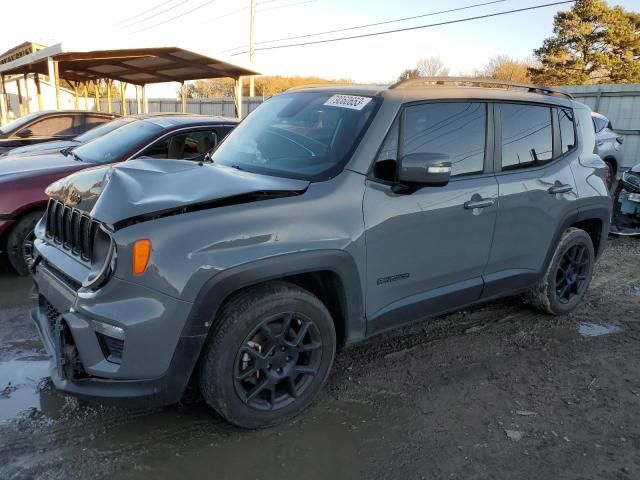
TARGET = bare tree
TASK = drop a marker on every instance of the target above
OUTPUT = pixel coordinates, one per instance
(432, 67)
(503, 67)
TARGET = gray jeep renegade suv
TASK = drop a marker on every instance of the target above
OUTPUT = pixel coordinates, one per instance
(329, 215)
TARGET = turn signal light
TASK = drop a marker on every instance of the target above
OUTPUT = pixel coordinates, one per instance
(141, 253)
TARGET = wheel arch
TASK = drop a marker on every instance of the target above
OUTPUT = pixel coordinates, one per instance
(331, 275)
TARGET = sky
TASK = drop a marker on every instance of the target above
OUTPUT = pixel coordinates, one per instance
(215, 26)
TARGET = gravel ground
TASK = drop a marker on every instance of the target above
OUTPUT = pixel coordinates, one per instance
(496, 392)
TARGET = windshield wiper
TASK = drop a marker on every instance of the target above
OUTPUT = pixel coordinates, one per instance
(76, 157)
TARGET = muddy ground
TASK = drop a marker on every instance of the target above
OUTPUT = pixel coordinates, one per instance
(498, 392)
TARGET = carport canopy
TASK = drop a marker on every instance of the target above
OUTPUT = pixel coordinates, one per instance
(137, 66)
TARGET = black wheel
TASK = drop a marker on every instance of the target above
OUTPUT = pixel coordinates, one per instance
(20, 243)
(268, 355)
(568, 275)
(610, 174)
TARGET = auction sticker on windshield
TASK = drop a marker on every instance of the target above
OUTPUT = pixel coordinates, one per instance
(353, 102)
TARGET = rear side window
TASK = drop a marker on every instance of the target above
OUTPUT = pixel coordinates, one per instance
(455, 129)
(600, 123)
(527, 136)
(567, 130)
(52, 126)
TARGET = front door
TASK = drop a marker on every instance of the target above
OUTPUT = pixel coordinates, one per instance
(427, 249)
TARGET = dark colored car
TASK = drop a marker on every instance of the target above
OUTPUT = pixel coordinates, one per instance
(46, 126)
(101, 129)
(23, 179)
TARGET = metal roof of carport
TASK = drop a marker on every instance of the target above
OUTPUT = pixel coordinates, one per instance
(139, 66)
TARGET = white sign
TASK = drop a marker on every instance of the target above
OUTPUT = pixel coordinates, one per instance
(354, 102)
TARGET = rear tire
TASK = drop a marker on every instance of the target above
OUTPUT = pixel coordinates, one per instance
(20, 243)
(568, 276)
(268, 355)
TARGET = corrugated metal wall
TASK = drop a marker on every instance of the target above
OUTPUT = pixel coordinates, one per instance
(205, 106)
(621, 105)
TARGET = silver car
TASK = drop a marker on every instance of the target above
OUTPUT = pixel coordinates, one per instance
(608, 145)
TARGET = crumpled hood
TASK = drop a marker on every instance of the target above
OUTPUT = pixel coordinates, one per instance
(18, 166)
(149, 187)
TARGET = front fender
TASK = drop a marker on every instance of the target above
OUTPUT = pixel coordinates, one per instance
(215, 290)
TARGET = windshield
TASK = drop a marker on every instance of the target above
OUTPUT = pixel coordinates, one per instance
(113, 146)
(102, 129)
(16, 124)
(306, 135)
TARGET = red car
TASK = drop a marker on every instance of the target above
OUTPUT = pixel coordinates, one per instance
(23, 179)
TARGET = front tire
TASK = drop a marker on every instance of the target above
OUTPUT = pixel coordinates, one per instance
(568, 276)
(20, 243)
(268, 355)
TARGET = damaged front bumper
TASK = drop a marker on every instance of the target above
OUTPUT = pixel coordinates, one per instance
(146, 368)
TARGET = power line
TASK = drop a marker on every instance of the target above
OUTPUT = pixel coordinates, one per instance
(468, 7)
(449, 22)
(287, 5)
(126, 20)
(233, 12)
(176, 17)
(153, 16)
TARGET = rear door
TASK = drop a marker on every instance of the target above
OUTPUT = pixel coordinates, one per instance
(427, 247)
(537, 191)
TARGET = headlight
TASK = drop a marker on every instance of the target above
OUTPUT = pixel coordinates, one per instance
(631, 179)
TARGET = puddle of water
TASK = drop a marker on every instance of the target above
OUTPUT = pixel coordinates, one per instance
(19, 381)
(597, 329)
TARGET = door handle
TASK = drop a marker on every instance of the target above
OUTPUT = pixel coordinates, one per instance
(560, 188)
(478, 202)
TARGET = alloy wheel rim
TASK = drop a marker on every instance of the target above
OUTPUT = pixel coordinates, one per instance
(571, 275)
(278, 361)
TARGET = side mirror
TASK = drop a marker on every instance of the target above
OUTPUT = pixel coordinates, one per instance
(432, 169)
(24, 133)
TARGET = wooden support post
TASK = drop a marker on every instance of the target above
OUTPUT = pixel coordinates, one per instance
(20, 105)
(26, 92)
(145, 100)
(123, 97)
(109, 106)
(96, 86)
(54, 77)
(184, 98)
(238, 97)
(86, 95)
(38, 91)
(4, 111)
(138, 103)
(76, 94)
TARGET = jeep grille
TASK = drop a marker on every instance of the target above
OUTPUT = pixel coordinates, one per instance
(70, 228)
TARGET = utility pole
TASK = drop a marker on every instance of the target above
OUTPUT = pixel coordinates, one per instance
(252, 27)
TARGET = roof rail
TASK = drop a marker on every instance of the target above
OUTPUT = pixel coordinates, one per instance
(430, 81)
(337, 84)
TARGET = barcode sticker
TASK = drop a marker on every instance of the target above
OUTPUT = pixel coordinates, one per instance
(353, 102)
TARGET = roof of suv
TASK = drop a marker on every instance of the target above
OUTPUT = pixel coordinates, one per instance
(410, 93)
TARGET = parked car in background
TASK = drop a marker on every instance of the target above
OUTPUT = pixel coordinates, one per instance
(102, 129)
(608, 145)
(59, 145)
(46, 126)
(626, 204)
(23, 179)
(328, 215)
